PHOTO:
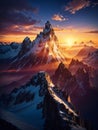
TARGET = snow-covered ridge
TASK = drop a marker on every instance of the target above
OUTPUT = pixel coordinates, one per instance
(84, 52)
(58, 98)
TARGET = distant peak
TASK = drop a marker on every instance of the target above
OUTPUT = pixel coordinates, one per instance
(26, 38)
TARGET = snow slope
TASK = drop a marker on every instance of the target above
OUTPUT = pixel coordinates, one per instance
(84, 52)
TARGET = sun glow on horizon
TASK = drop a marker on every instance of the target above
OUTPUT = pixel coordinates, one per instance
(66, 36)
(70, 42)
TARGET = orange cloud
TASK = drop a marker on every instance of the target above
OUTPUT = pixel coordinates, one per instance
(18, 33)
(21, 30)
(58, 17)
(94, 31)
(76, 5)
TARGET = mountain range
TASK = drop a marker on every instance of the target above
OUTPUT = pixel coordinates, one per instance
(49, 101)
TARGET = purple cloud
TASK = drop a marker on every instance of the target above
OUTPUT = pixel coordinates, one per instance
(94, 31)
(76, 5)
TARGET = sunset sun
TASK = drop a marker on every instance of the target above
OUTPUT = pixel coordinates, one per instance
(70, 42)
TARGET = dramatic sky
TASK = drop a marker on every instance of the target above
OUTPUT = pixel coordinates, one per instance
(72, 20)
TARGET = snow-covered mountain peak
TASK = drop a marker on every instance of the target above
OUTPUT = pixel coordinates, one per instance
(46, 38)
(47, 47)
(43, 50)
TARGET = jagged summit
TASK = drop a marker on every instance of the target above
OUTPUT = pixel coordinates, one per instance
(26, 40)
(47, 33)
(47, 28)
(64, 79)
(25, 46)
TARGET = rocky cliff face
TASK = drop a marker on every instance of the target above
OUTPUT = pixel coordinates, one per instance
(75, 65)
(64, 79)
